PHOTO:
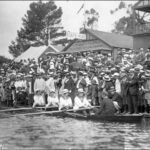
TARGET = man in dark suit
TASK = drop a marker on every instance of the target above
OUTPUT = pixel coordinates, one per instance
(133, 92)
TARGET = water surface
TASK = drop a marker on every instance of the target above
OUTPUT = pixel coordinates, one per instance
(43, 132)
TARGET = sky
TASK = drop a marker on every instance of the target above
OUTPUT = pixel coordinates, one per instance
(11, 13)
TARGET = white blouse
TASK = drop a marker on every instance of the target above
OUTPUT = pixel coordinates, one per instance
(53, 101)
(65, 103)
(79, 103)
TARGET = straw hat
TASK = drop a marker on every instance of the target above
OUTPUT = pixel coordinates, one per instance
(65, 91)
(80, 90)
(106, 78)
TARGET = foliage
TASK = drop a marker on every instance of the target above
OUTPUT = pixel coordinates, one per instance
(92, 18)
(39, 24)
(126, 23)
(4, 60)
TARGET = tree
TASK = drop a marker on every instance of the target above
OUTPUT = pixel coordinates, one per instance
(92, 17)
(38, 25)
(126, 24)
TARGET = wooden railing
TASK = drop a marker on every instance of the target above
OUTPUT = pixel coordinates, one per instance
(143, 28)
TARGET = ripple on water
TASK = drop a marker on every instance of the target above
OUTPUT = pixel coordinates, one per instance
(50, 132)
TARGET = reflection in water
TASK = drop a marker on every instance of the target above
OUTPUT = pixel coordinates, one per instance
(50, 133)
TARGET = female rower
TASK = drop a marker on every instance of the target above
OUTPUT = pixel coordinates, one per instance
(38, 99)
(80, 100)
(65, 100)
(52, 99)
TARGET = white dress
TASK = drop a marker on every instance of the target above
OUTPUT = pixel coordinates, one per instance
(81, 103)
(39, 100)
(65, 103)
(52, 101)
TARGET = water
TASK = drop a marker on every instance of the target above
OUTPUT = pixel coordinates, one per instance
(43, 132)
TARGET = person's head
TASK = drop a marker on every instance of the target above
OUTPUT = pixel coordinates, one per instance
(116, 75)
(52, 93)
(65, 93)
(111, 92)
(81, 92)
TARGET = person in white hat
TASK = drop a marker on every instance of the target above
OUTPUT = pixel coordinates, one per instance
(65, 101)
(80, 101)
(38, 99)
(52, 99)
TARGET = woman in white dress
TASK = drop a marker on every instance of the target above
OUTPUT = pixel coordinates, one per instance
(52, 99)
(81, 100)
(39, 99)
(65, 101)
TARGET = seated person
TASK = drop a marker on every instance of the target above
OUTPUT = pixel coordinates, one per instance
(107, 107)
(80, 101)
(38, 98)
(65, 100)
(52, 99)
(116, 98)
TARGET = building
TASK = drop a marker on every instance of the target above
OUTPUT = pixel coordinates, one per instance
(103, 42)
(39, 52)
(141, 36)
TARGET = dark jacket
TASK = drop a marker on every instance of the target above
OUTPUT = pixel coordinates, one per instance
(107, 107)
(134, 86)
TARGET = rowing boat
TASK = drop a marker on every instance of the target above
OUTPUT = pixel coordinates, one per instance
(124, 118)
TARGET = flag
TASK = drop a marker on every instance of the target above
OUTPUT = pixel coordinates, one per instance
(80, 8)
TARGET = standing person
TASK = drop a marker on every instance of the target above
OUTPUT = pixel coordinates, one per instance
(8, 94)
(65, 101)
(50, 83)
(81, 82)
(146, 90)
(70, 86)
(124, 92)
(133, 92)
(30, 89)
(117, 83)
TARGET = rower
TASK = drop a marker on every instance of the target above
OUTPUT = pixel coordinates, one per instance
(38, 98)
(80, 100)
(107, 107)
(65, 100)
(52, 99)
(116, 99)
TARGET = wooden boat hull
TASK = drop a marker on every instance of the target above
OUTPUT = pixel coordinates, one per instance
(113, 118)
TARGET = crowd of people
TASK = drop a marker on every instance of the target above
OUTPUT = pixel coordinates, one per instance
(83, 79)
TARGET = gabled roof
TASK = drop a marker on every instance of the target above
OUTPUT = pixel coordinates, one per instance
(113, 39)
(85, 45)
(36, 52)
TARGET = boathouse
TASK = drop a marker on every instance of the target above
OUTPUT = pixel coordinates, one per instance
(103, 42)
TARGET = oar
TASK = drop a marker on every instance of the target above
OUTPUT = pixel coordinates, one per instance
(75, 114)
(25, 108)
(59, 111)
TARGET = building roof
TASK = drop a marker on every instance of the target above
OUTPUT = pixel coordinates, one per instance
(143, 5)
(86, 45)
(36, 52)
(113, 39)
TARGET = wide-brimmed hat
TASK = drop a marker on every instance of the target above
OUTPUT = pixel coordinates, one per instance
(116, 74)
(106, 78)
(52, 91)
(80, 90)
(65, 91)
